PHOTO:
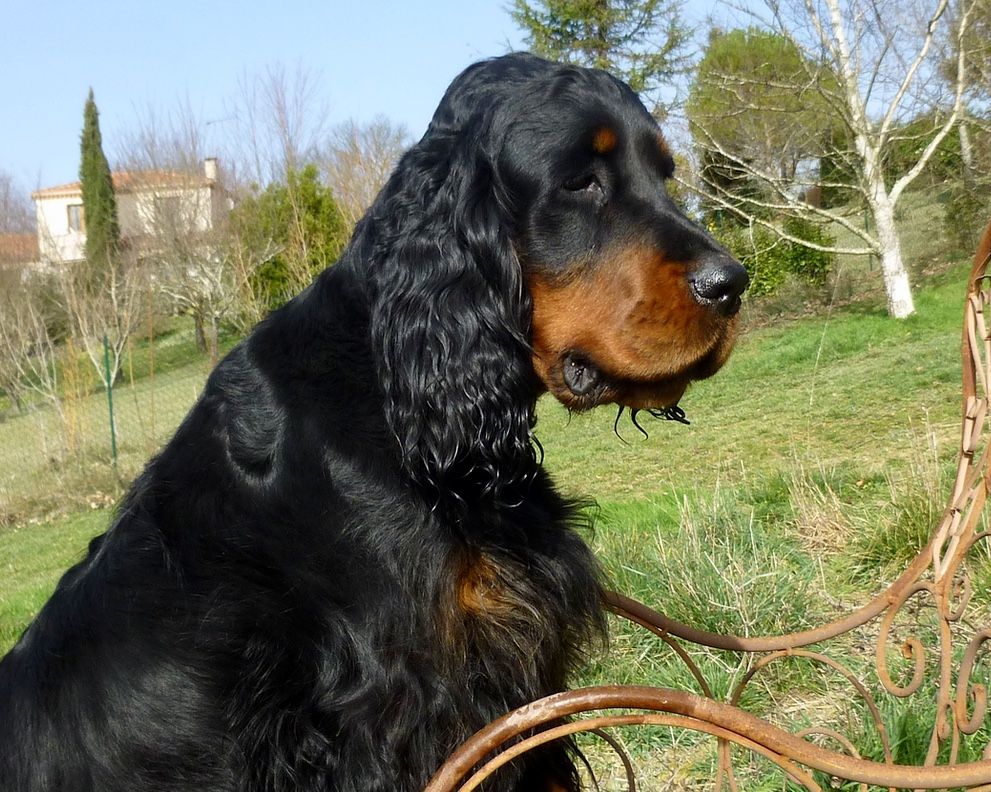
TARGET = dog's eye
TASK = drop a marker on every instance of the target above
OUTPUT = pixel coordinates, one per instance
(587, 183)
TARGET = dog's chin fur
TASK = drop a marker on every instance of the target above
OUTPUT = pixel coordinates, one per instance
(349, 559)
(646, 392)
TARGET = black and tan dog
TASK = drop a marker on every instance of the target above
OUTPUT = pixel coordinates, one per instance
(349, 558)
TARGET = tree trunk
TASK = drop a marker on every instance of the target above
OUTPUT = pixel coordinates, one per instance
(896, 285)
(200, 334)
(15, 396)
(213, 341)
(966, 155)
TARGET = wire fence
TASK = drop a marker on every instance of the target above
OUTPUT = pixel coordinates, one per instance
(79, 443)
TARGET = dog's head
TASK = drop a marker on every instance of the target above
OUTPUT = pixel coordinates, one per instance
(535, 247)
(631, 300)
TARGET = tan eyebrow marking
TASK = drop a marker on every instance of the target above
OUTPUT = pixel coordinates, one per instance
(604, 140)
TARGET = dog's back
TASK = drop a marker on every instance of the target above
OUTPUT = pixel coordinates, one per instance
(109, 682)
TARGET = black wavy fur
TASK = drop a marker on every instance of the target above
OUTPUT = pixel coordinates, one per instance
(348, 558)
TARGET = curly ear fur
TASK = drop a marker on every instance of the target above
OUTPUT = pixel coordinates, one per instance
(449, 318)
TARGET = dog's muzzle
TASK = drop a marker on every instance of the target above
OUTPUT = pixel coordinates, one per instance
(718, 282)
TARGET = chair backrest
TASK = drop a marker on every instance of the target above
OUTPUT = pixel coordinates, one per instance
(942, 668)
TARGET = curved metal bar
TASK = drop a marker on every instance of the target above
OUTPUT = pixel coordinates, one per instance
(737, 724)
(725, 766)
(842, 739)
(620, 750)
(447, 780)
(641, 614)
(859, 686)
(912, 647)
(978, 692)
(676, 647)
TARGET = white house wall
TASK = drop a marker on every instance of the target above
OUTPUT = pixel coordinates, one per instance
(56, 243)
(135, 213)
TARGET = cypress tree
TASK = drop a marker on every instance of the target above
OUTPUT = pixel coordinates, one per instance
(99, 202)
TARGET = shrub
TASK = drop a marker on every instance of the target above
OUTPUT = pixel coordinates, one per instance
(965, 213)
(299, 220)
(770, 259)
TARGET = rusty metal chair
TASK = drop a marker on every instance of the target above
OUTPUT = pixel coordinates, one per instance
(938, 574)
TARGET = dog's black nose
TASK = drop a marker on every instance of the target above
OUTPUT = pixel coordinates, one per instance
(717, 283)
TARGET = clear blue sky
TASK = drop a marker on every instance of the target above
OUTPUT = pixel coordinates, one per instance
(372, 57)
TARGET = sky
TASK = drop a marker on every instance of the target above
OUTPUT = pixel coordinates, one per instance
(369, 58)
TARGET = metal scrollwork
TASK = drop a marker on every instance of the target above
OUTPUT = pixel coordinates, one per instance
(940, 659)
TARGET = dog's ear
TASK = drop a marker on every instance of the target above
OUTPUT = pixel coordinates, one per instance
(450, 317)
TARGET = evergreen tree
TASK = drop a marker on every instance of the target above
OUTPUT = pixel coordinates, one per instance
(300, 223)
(642, 41)
(99, 202)
(101, 293)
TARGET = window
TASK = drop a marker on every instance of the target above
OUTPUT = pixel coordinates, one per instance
(77, 221)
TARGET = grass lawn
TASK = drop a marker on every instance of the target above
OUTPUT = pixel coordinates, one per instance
(32, 557)
(48, 461)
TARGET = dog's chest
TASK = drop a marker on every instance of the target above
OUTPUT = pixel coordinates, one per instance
(497, 609)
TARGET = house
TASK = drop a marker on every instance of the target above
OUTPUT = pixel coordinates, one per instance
(149, 204)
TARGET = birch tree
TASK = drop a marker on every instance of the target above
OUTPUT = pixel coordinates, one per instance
(876, 65)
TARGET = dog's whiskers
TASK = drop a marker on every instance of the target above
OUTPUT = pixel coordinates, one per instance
(672, 413)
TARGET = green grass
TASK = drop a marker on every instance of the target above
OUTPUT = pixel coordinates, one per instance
(50, 462)
(32, 558)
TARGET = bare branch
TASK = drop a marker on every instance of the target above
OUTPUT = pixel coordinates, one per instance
(882, 58)
(358, 161)
(912, 71)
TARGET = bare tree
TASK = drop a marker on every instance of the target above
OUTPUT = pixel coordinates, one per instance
(358, 160)
(182, 213)
(274, 125)
(968, 203)
(277, 124)
(193, 272)
(875, 64)
(209, 269)
(15, 347)
(16, 210)
(18, 241)
(175, 139)
(103, 312)
(28, 353)
(245, 254)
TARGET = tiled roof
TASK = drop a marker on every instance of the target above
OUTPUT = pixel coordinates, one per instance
(131, 181)
(18, 248)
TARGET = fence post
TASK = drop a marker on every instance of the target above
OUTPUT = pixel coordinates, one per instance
(867, 228)
(110, 398)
